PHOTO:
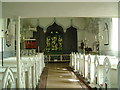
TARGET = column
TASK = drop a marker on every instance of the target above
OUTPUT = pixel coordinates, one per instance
(18, 52)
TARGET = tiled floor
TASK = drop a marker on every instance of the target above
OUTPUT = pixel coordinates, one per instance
(60, 77)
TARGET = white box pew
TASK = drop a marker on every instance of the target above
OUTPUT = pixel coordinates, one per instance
(71, 60)
(82, 65)
(118, 75)
(8, 62)
(29, 69)
(96, 70)
(8, 68)
(37, 69)
(98, 75)
(86, 66)
(7, 79)
(90, 69)
(33, 70)
(74, 62)
(39, 66)
(12, 63)
(99, 68)
(110, 72)
(78, 62)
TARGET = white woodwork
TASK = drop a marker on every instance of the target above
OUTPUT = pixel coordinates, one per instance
(78, 62)
(31, 69)
(94, 69)
(118, 76)
(83, 65)
(86, 66)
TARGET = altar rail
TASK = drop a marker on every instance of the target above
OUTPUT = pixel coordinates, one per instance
(57, 58)
(99, 70)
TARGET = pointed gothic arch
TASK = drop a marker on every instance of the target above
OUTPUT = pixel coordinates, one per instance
(54, 38)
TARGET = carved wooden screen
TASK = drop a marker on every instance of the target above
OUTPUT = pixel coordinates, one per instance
(54, 41)
(54, 38)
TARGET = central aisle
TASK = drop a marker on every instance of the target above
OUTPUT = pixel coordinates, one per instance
(60, 77)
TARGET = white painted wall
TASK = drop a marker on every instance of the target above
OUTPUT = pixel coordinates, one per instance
(0, 9)
(8, 51)
(0, 35)
(62, 9)
(112, 48)
(114, 34)
(12, 47)
(102, 33)
(90, 37)
(0, 18)
(1, 26)
(79, 23)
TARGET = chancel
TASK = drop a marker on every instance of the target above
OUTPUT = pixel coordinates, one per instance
(59, 45)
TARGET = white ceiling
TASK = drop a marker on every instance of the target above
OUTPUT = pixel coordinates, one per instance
(60, 0)
(60, 9)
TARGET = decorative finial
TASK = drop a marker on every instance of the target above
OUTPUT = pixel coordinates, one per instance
(71, 22)
(38, 21)
(54, 19)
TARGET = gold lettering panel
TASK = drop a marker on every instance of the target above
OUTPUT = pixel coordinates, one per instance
(54, 41)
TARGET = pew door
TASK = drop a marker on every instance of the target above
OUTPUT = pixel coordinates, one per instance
(89, 68)
(119, 75)
(96, 68)
(26, 80)
(106, 73)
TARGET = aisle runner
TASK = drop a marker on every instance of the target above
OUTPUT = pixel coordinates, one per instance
(43, 79)
(82, 83)
(60, 77)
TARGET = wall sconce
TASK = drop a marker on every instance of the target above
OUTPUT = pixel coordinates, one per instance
(100, 36)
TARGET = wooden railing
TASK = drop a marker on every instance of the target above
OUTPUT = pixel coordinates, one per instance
(57, 57)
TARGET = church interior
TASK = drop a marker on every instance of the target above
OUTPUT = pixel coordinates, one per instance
(59, 45)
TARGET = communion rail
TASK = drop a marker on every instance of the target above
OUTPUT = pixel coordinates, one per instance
(57, 58)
